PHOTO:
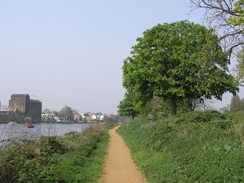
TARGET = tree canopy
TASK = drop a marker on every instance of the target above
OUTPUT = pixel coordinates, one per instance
(177, 61)
(126, 107)
(236, 104)
(67, 113)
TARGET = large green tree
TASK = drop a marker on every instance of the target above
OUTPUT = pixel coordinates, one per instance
(177, 61)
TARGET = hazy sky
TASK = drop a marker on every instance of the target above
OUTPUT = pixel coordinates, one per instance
(70, 52)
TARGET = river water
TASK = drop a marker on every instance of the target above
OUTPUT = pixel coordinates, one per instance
(16, 131)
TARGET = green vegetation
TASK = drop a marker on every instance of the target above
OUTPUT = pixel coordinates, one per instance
(200, 146)
(240, 67)
(126, 107)
(236, 104)
(173, 68)
(75, 157)
(228, 17)
(229, 24)
(177, 62)
(238, 19)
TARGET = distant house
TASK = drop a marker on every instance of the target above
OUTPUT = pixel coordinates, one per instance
(78, 118)
(86, 117)
(101, 117)
(97, 117)
(48, 117)
(93, 117)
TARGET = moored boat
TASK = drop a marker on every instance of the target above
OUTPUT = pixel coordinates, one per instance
(27, 125)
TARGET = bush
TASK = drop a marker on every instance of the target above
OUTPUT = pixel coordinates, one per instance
(55, 159)
(198, 117)
(51, 145)
(27, 119)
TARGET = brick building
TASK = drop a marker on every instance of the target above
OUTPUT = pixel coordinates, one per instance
(22, 105)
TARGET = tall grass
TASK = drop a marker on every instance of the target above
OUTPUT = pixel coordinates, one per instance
(194, 147)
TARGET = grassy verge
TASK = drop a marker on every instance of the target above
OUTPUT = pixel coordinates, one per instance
(75, 157)
(195, 147)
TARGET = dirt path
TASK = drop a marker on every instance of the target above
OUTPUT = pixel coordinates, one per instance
(119, 166)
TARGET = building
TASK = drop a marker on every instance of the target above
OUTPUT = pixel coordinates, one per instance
(97, 117)
(35, 110)
(3, 116)
(22, 105)
(78, 118)
(48, 117)
(86, 117)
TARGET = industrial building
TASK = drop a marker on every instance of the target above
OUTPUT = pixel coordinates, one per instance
(22, 105)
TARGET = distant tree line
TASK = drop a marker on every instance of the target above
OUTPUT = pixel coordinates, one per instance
(236, 104)
(67, 113)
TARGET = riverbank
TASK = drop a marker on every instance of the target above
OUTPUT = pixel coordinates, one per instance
(200, 146)
(195, 147)
(74, 157)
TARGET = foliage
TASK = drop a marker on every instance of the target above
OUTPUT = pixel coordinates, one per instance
(159, 108)
(75, 157)
(67, 113)
(236, 104)
(154, 108)
(240, 66)
(111, 118)
(197, 117)
(238, 19)
(201, 146)
(47, 111)
(56, 113)
(126, 107)
(228, 17)
(176, 62)
(27, 119)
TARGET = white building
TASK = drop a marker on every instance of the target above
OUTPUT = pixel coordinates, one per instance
(47, 117)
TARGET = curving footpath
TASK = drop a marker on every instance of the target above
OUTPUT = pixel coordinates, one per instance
(119, 166)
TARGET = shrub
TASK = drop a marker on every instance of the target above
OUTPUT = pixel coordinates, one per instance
(51, 145)
(55, 159)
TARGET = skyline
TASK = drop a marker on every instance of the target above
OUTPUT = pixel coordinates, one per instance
(70, 53)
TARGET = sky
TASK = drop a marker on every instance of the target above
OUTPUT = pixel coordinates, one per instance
(71, 52)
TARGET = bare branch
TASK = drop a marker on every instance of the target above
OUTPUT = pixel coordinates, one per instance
(230, 34)
(234, 46)
(217, 14)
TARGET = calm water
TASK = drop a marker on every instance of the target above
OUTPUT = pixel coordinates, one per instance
(17, 132)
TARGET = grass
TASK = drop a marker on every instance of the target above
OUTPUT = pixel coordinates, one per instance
(75, 157)
(194, 147)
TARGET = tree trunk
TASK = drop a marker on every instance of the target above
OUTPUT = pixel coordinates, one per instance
(173, 106)
(190, 106)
